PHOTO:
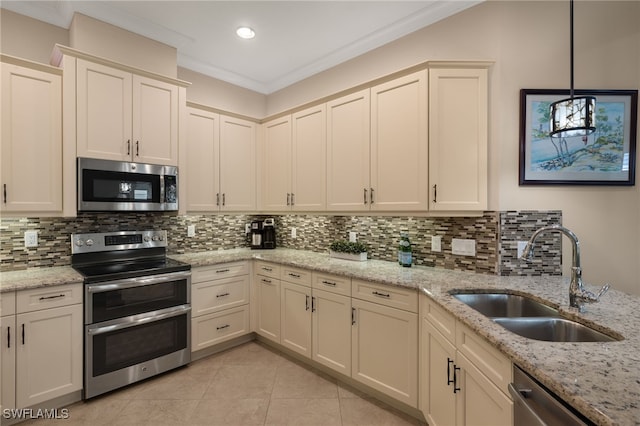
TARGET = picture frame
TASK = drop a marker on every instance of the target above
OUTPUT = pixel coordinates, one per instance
(606, 157)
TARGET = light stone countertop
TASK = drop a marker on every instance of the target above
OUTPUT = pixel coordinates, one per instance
(601, 380)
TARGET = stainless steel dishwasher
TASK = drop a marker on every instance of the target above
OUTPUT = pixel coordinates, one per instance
(535, 405)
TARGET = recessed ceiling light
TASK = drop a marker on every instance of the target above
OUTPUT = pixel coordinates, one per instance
(245, 32)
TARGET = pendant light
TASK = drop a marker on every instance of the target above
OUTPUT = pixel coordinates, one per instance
(574, 116)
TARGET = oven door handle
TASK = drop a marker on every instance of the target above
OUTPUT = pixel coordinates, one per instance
(136, 320)
(137, 281)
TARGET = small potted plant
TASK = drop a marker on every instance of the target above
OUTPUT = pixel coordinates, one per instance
(343, 249)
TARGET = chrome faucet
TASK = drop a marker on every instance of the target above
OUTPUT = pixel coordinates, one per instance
(578, 295)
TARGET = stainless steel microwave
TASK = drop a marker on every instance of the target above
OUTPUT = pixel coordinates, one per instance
(105, 185)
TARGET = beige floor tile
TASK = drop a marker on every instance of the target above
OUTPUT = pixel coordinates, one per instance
(179, 384)
(251, 353)
(238, 412)
(295, 381)
(242, 382)
(320, 412)
(368, 412)
(156, 412)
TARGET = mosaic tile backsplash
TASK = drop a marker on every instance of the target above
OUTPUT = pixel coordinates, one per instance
(495, 233)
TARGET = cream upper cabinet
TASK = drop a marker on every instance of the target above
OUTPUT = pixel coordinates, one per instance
(308, 172)
(458, 131)
(399, 148)
(293, 162)
(348, 143)
(31, 138)
(275, 164)
(220, 162)
(124, 116)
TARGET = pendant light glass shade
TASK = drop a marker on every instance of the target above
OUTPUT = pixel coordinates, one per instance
(574, 116)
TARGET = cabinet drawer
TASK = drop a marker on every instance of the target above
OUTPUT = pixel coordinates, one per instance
(209, 330)
(493, 364)
(215, 272)
(48, 297)
(387, 295)
(332, 283)
(213, 296)
(296, 276)
(268, 269)
(8, 303)
(442, 320)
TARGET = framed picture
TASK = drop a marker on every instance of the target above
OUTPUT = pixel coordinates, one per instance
(605, 157)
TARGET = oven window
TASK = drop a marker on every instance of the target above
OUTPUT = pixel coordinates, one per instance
(105, 186)
(112, 304)
(130, 346)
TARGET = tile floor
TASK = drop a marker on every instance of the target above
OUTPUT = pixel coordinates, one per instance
(247, 385)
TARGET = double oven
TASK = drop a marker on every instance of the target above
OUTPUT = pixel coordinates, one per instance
(137, 308)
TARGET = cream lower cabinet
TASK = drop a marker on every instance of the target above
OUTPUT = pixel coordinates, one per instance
(219, 303)
(385, 340)
(463, 379)
(31, 147)
(295, 310)
(42, 346)
(268, 287)
(8, 340)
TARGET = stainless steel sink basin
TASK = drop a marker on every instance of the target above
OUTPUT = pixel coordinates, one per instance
(553, 330)
(530, 318)
(506, 305)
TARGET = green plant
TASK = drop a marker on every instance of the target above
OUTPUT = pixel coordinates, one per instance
(344, 246)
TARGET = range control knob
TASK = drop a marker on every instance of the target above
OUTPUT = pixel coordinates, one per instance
(155, 238)
(89, 242)
(161, 237)
(79, 243)
(146, 238)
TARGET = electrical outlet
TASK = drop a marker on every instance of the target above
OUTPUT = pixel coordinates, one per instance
(463, 247)
(191, 231)
(521, 246)
(294, 233)
(436, 243)
(31, 238)
(353, 236)
(247, 228)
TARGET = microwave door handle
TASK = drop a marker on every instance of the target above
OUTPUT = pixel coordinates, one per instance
(136, 282)
(162, 183)
(136, 320)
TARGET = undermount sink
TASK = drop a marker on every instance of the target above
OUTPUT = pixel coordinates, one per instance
(529, 318)
(553, 330)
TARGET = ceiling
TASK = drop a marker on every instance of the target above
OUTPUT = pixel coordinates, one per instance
(294, 39)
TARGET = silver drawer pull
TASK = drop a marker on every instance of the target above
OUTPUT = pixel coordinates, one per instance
(221, 271)
(222, 327)
(222, 294)
(294, 275)
(387, 295)
(57, 296)
(329, 283)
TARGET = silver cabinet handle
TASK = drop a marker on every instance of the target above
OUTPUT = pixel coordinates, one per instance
(386, 295)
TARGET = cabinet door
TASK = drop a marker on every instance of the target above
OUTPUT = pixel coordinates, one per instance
(480, 402)
(348, 138)
(295, 305)
(308, 182)
(155, 121)
(458, 139)
(276, 165)
(385, 350)
(104, 110)
(8, 341)
(331, 330)
(31, 140)
(202, 171)
(399, 149)
(237, 164)
(268, 309)
(438, 358)
(49, 360)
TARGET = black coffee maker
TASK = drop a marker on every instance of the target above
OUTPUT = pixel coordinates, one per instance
(263, 234)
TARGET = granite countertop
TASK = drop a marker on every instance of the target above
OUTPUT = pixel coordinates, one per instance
(601, 380)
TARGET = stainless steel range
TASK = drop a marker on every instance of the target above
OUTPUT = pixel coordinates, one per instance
(137, 308)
